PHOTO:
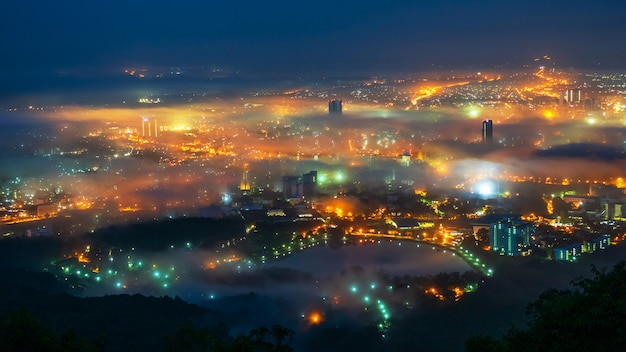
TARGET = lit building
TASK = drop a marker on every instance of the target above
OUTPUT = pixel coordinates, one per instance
(309, 184)
(244, 185)
(487, 131)
(510, 235)
(292, 187)
(405, 226)
(573, 250)
(569, 252)
(573, 96)
(304, 186)
(614, 211)
(335, 106)
(47, 210)
(597, 243)
(405, 158)
(147, 127)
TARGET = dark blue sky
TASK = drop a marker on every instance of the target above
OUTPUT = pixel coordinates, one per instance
(323, 35)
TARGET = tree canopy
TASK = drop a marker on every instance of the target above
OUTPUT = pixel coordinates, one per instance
(589, 317)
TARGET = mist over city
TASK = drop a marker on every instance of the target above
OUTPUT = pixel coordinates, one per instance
(331, 177)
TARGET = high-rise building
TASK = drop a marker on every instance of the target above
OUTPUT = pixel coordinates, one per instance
(573, 96)
(510, 235)
(309, 184)
(244, 185)
(304, 186)
(292, 187)
(487, 131)
(335, 106)
(145, 122)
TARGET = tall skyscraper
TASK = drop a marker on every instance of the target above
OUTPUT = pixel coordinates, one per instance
(573, 96)
(292, 187)
(145, 122)
(335, 106)
(487, 131)
(309, 184)
(143, 126)
(244, 185)
(304, 186)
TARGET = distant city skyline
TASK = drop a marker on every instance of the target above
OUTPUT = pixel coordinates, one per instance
(272, 37)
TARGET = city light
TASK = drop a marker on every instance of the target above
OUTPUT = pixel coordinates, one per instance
(208, 198)
(485, 188)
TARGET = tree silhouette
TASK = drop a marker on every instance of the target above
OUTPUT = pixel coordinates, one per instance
(21, 332)
(589, 317)
(261, 339)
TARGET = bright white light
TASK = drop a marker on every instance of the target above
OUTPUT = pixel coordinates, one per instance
(226, 198)
(485, 188)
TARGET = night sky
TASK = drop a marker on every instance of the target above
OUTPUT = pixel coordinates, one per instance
(301, 36)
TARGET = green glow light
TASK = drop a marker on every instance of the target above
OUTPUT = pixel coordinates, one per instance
(473, 112)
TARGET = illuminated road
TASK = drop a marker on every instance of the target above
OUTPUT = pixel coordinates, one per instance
(471, 259)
